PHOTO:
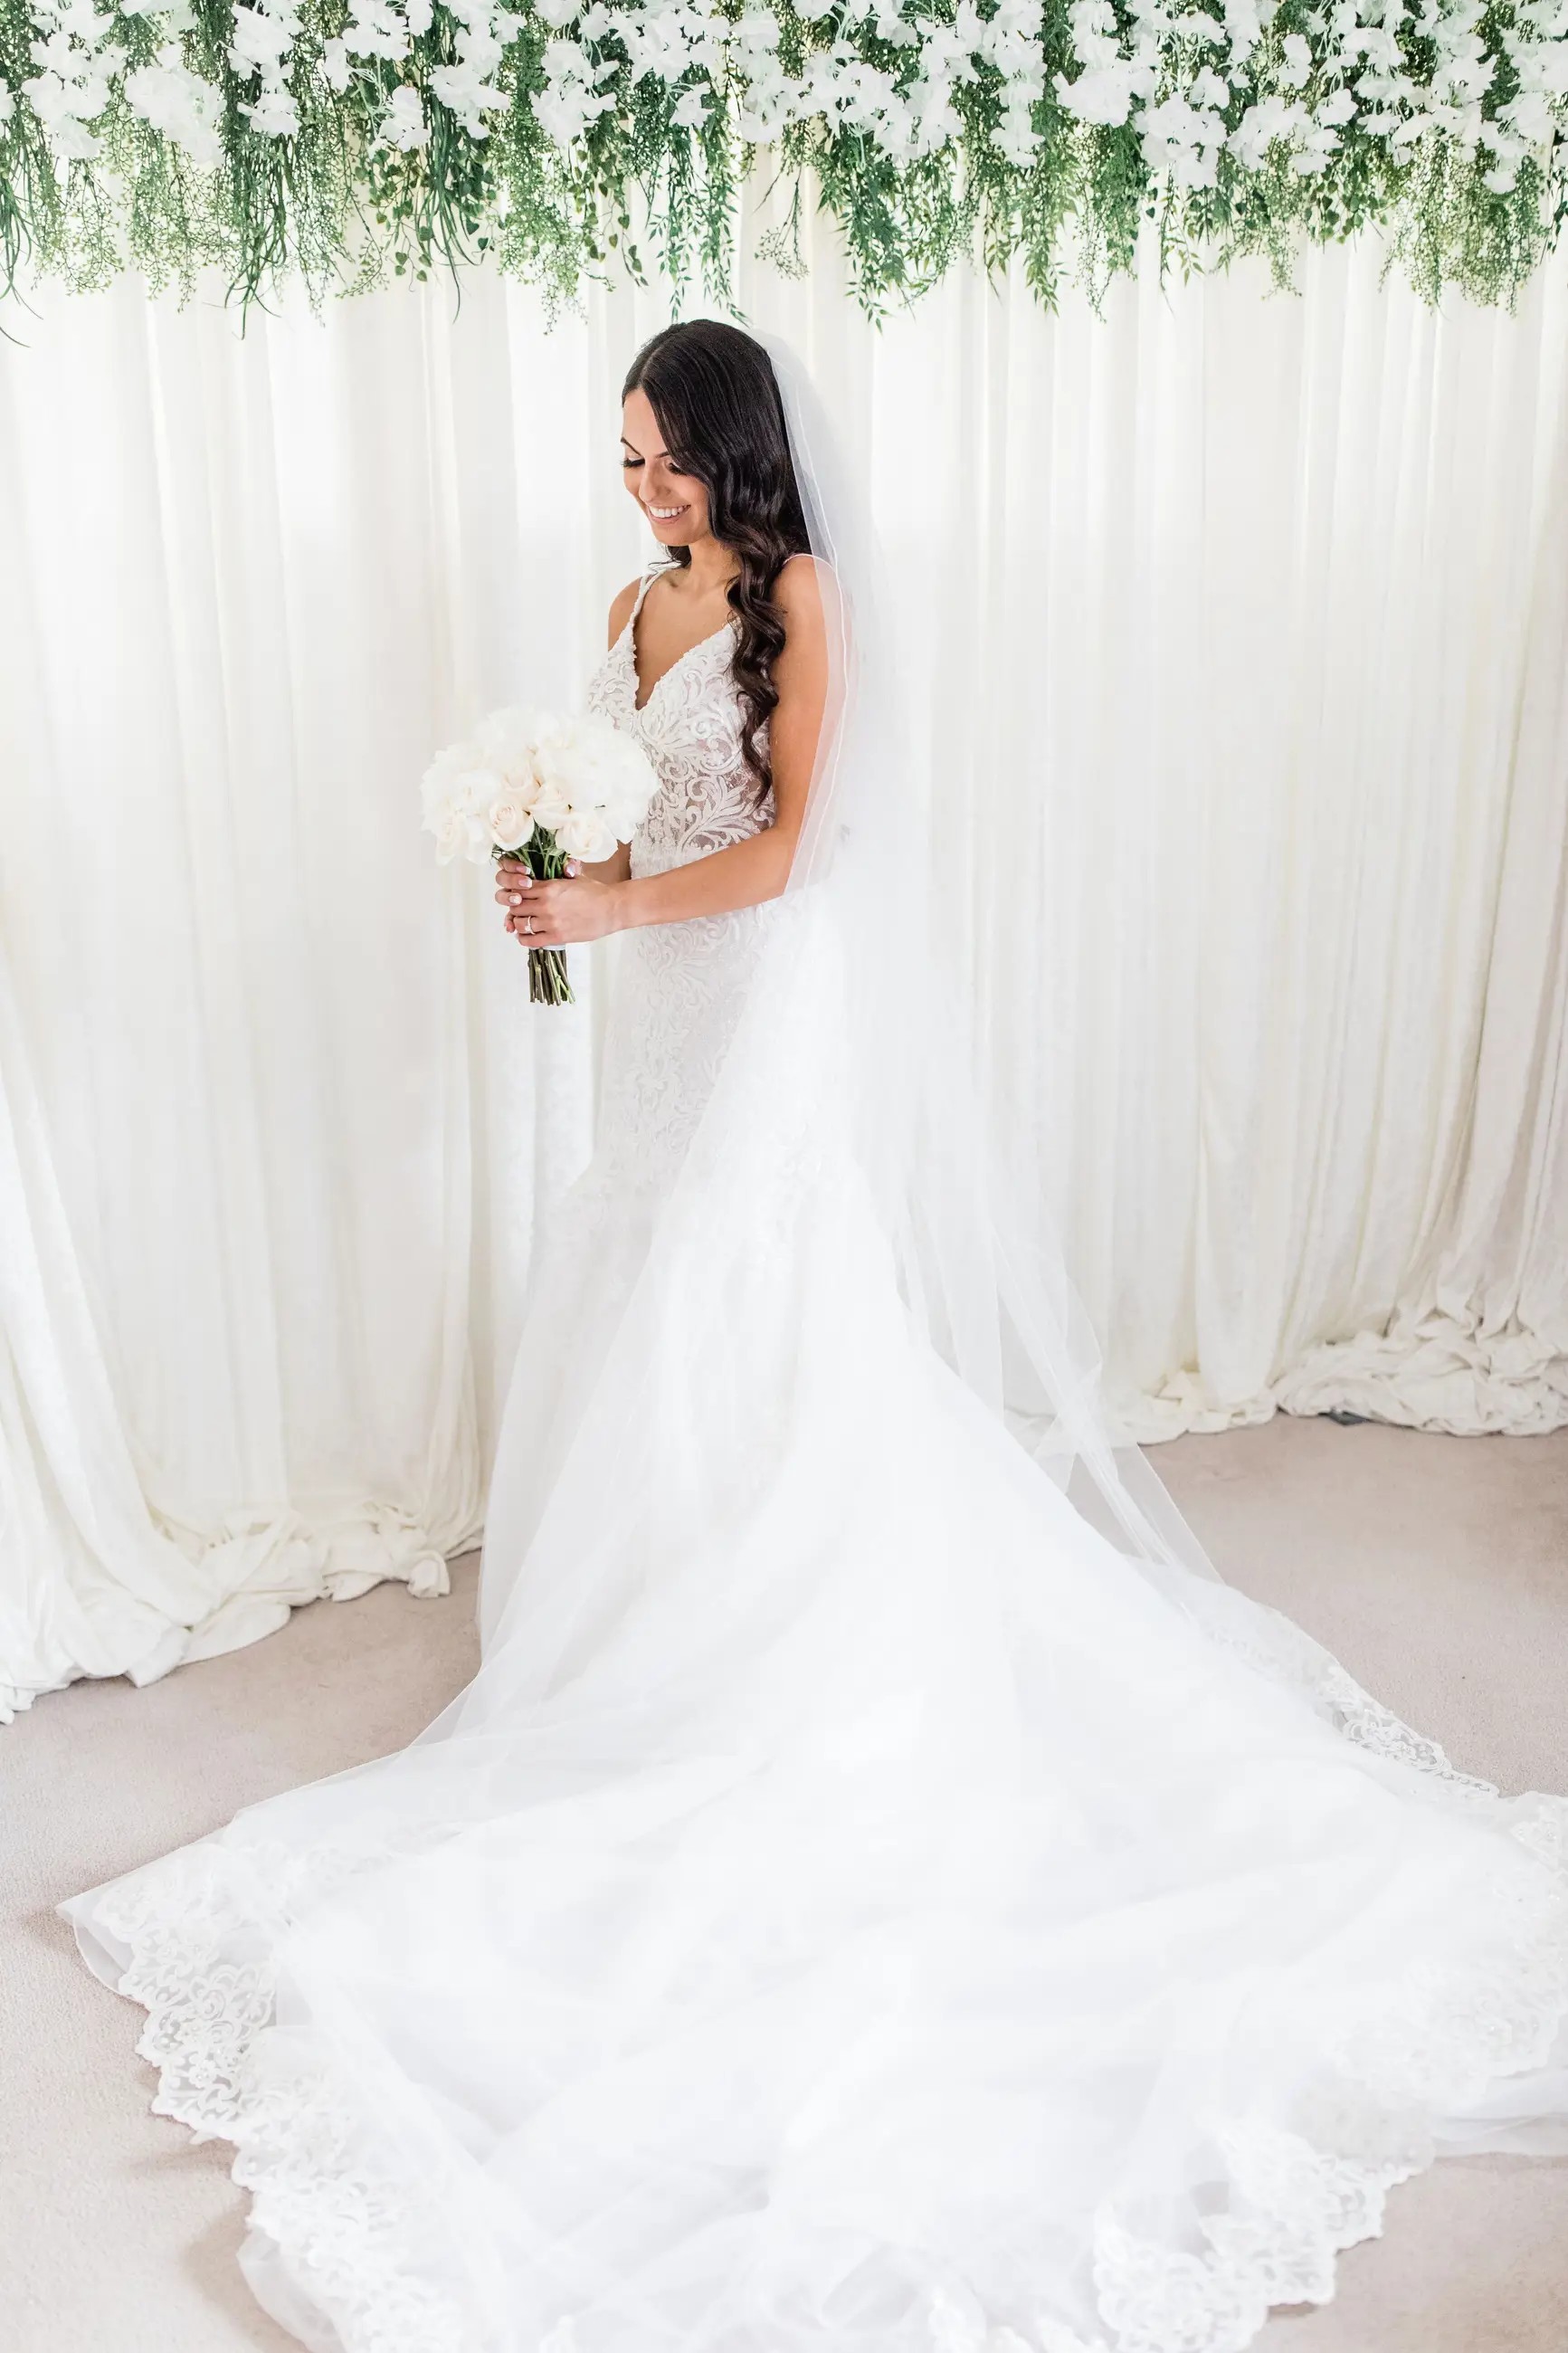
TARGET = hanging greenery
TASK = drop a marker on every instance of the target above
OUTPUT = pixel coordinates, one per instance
(344, 139)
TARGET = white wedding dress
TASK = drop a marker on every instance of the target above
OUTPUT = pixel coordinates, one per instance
(855, 1909)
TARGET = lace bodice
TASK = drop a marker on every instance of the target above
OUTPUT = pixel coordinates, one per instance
(691, 729)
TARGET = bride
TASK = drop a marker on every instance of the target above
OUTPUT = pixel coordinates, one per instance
(882, 1893)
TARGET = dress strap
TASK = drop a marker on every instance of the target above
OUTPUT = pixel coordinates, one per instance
(655, 572)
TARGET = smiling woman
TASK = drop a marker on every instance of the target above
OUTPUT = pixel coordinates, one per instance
(741, 580)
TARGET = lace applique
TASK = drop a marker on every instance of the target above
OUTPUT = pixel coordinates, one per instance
(1274, 1647)
(361, 2239)
(678, 986)
(691, 729)
(203, 1928)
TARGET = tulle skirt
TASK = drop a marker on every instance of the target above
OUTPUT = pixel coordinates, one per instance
(854, 1910)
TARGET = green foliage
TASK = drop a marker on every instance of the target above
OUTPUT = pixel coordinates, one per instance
(336, 202)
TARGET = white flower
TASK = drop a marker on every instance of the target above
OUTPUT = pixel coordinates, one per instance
(336, 70)
(451, 832)
(509, 823)
(275, 113)
(73, 139)
(552, 805)
(377, 30)
(1261, 125)
(1177, 138)
(505, 743)
(1297, 61)
(586, 767)
(565, 112)
(463, 88)
(260, 40)
(179, 103)
(404, 124)
(1102, 94)
(691, 113)
(589, 837)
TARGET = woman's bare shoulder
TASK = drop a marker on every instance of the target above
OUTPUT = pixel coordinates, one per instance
(800, 583)
(805, 593)
(621, 608)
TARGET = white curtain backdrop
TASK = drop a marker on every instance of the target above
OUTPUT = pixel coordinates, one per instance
(1242, 642)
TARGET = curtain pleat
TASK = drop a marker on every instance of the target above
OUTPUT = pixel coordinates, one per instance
(1236, 627)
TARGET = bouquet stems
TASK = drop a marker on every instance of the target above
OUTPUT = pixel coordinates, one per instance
(547, 980)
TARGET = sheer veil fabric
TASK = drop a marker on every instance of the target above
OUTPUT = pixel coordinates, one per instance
(882, 1892)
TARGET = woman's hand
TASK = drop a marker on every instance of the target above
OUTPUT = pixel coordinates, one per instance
(556, 915)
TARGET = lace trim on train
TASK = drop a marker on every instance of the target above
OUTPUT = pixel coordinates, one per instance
(354, 2234)
(202, 1927)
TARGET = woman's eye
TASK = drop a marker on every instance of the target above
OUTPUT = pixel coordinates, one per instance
(630, 465)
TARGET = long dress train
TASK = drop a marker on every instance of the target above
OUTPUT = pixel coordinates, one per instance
(853, 1910)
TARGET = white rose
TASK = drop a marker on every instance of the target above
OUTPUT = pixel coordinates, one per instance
(588, 836)
(509, 821)
(551, 807)
(507, 740)
(477, 789)
(451, 827)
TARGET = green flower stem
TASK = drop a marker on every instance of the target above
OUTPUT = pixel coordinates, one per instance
(547, 977)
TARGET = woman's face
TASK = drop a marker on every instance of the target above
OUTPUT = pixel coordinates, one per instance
(675, 504)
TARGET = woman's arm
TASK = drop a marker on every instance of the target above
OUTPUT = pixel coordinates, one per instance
(618, 866)
(607, 898)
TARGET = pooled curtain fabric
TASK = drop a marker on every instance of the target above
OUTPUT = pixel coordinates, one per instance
(270, 1077)
(1238, 624)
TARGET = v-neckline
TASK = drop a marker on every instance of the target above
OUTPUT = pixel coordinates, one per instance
(670, 668)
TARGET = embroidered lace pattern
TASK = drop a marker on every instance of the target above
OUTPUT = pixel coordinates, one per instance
(203, 1930)
(677, 986)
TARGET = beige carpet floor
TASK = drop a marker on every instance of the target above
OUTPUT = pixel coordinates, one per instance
(1438, 1569)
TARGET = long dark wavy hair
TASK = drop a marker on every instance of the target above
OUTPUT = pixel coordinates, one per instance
(713, 391)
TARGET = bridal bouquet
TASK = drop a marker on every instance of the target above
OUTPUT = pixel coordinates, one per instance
(542, 788)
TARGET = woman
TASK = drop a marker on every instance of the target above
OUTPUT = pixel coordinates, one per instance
(879, 1892)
